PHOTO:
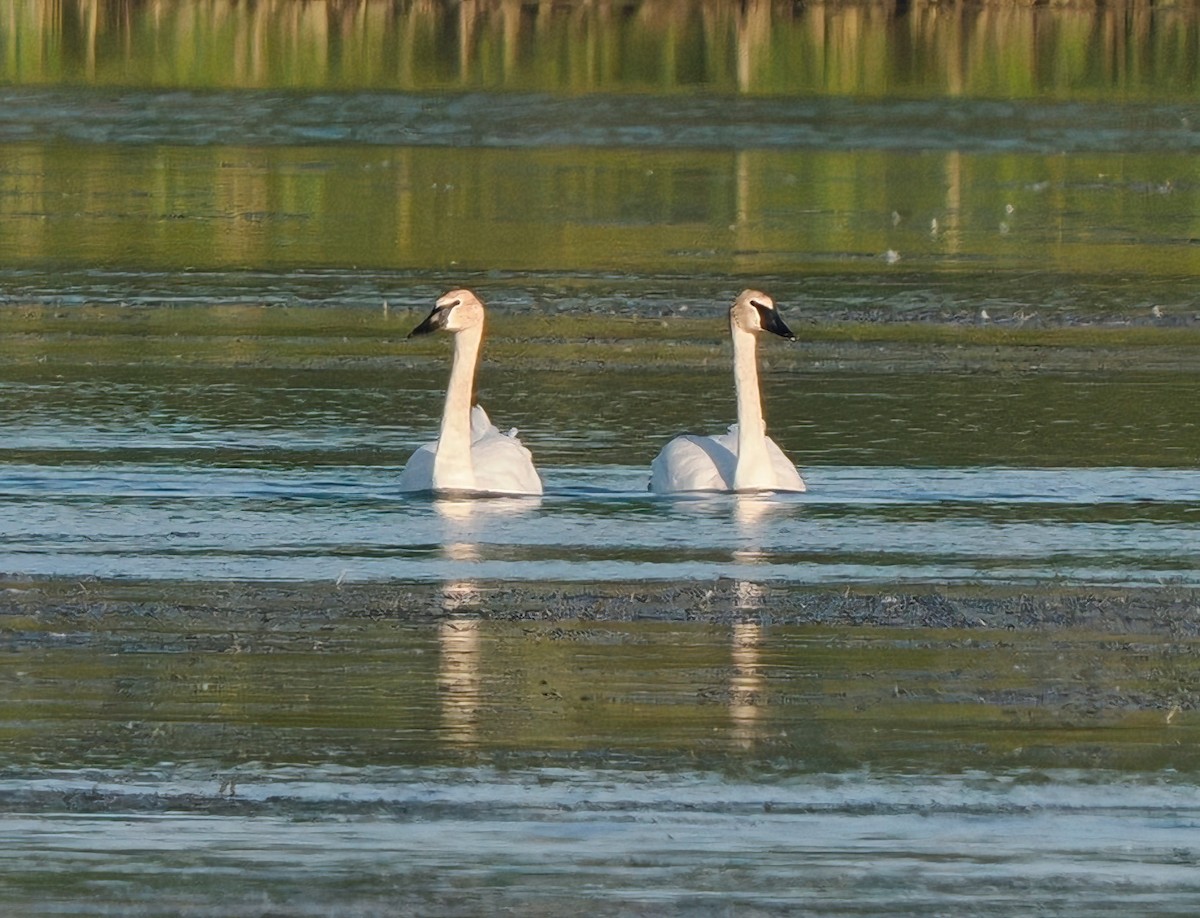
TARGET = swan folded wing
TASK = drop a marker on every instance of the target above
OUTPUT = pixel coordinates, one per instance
(787, 476)
(418, 471)
(694, 463)
(481, 424)
(503, 464)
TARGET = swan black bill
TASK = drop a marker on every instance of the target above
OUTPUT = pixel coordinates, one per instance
(434, 321)
(772, 321)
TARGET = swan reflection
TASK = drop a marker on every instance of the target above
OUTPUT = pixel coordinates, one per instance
(458, 594)
(463, 534)
(459, 678)
(750, 512)
(459, 635)
(746, 683)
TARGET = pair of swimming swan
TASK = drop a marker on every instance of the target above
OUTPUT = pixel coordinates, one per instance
(471, 455)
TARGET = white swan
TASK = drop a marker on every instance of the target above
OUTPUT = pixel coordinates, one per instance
(745, 459)
(470, 454)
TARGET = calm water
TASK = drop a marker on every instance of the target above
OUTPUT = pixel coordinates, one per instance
(217, 223)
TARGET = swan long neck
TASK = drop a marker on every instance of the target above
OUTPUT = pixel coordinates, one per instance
(452, 467)
(753, 468)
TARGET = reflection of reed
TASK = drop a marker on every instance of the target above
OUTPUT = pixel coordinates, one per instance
(753, 37)
(991, 50)
(581, 208)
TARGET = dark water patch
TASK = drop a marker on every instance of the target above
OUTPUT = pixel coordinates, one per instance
(998, 416)
(840, 291)
(240, 606)
(250, 118)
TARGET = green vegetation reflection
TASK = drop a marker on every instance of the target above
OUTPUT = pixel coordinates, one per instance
(1000, 50)
(692, 213)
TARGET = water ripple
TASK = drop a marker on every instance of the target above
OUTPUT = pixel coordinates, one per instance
(539, 120)
(875, 525)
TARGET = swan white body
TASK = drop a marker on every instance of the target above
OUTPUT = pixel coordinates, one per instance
(470, 455)
(745, 458)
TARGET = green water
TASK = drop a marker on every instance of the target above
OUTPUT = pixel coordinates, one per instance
(221, 691)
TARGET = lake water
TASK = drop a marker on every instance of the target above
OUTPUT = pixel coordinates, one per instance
(219, 221)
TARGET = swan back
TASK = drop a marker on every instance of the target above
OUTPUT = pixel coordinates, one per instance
(694, 463)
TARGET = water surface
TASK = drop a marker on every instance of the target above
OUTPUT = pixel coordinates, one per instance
(667, 766)
(249, 473)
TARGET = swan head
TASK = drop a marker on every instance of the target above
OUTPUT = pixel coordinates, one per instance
(753, 311)
(455, 311)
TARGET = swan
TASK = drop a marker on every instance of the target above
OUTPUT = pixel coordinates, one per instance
(470, 454)
(745, 459)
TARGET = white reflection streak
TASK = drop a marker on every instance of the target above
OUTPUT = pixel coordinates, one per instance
(459, 545)
(749, 511)
(459, 636)
(459, 678)
(753, 35)
(746, 682)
